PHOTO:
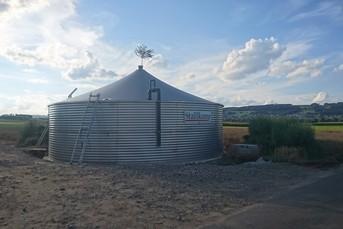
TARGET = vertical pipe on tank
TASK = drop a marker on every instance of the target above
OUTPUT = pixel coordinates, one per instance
(158, 122)
(158, 110)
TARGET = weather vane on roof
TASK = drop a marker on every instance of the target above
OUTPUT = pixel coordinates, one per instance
(143, 52)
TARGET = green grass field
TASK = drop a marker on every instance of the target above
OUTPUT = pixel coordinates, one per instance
(12, 124)
(316, 128)
(328, 128)
(320, 126)
(12, 130)
(235, 124)
(328, 124)
(337, 126)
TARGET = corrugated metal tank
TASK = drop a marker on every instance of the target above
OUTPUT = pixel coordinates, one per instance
(125, 125)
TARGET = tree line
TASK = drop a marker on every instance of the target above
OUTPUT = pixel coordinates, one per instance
(313, 112)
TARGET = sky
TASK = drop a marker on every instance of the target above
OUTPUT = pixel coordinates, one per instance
(236, 53)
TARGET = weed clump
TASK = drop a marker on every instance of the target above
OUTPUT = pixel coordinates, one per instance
(31, 133)
(284, 139)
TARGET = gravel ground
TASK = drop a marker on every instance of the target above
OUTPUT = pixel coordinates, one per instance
(37, 193)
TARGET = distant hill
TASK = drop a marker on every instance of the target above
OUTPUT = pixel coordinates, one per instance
(22, 117)
(314, 112)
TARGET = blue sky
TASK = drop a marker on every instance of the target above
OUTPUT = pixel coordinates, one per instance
(236, 53)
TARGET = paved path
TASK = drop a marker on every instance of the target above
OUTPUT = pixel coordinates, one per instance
(316, 205)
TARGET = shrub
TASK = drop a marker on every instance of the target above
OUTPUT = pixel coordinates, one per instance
(288, 154)
(31, 133)
(283, 136)
(332, 149)
(260, 133)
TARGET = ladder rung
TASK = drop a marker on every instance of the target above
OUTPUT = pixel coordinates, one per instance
(93, 96)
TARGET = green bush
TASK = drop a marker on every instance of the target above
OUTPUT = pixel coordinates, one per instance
(333, 149)
(31, 133)
(273, 134)
(260, 133)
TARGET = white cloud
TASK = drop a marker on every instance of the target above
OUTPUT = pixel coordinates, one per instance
(123, 60)
(28, 23)
(22, 56)
(45, 33)
(339, 68)
(38, 81)
(16, 8)
(290, 65)
(89, 69)
(262, 58)
(188, 81)
(295, 49)
(239, 100)
(189, 76)
(307, 67)
(30, 70)
(28, 103)
(288, 68)
(157, 61)
(269, 101)
(321, 97)
(332, 10)
(196, 76)
(86, 86)
(255, 56)
(280, 68)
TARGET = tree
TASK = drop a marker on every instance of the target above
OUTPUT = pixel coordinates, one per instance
(143, 52)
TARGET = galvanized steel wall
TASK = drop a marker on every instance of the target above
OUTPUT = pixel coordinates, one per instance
(125, 132)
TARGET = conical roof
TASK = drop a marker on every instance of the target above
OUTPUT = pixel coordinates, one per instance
(135, 86)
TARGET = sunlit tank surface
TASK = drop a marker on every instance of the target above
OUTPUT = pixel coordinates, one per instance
(139, 118)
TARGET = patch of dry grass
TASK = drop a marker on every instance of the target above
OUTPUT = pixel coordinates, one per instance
(330, 135)
(331, 143)
(240, 132)
(234, 135)
(9, 136)
(289, 154)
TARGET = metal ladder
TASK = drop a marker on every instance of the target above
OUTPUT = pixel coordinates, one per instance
(46, 128)
(86, 126)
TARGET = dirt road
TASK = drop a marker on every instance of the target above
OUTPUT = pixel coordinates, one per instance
(36, 193)
(316, 205)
